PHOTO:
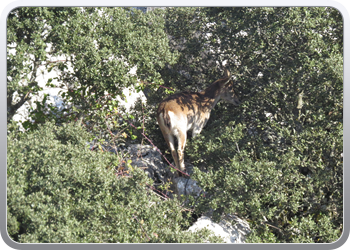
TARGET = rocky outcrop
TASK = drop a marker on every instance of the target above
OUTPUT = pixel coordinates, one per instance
(231, 228)
(150, 160)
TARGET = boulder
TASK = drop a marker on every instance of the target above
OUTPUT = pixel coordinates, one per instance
(131, 96)
(186, 186)
(53, 98)
(150, 160)
(231, 228)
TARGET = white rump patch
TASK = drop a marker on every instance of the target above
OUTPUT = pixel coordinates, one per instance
(177, 124)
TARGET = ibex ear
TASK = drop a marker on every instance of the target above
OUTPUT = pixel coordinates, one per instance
(227, 73)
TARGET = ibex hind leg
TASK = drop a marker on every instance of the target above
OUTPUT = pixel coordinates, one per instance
(181, 139)
(171, 145)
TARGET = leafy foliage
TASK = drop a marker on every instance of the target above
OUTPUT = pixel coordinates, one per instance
(28, 41)
(61, 191)
(98, 57)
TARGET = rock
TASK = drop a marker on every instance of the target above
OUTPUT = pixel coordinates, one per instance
(53, 98)
(131, 97)
(231, 228)
(186, 186)
(150, 160)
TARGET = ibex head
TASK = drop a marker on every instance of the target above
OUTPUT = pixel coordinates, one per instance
(227, 91)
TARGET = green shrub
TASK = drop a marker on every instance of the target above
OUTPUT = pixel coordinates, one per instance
(267, 185)
(60, 191)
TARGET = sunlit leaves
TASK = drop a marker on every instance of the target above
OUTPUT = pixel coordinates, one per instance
(59, 191)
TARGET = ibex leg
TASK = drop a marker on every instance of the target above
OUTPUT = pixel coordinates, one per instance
(181, 149)
(171, 144)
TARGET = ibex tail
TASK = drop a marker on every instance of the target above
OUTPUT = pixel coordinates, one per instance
(166, 119)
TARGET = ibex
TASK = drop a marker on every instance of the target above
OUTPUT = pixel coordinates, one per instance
(185, 111)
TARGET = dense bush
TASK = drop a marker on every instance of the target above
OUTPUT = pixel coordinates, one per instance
(93, 64)
(298, 196)
(60, 191)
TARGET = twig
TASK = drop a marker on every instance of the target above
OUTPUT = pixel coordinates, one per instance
(166, 197)
(141, 227)
(270, 225)
(238, 148)
(150, 83)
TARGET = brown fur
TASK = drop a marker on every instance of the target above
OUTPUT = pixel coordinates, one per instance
(190, 111)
